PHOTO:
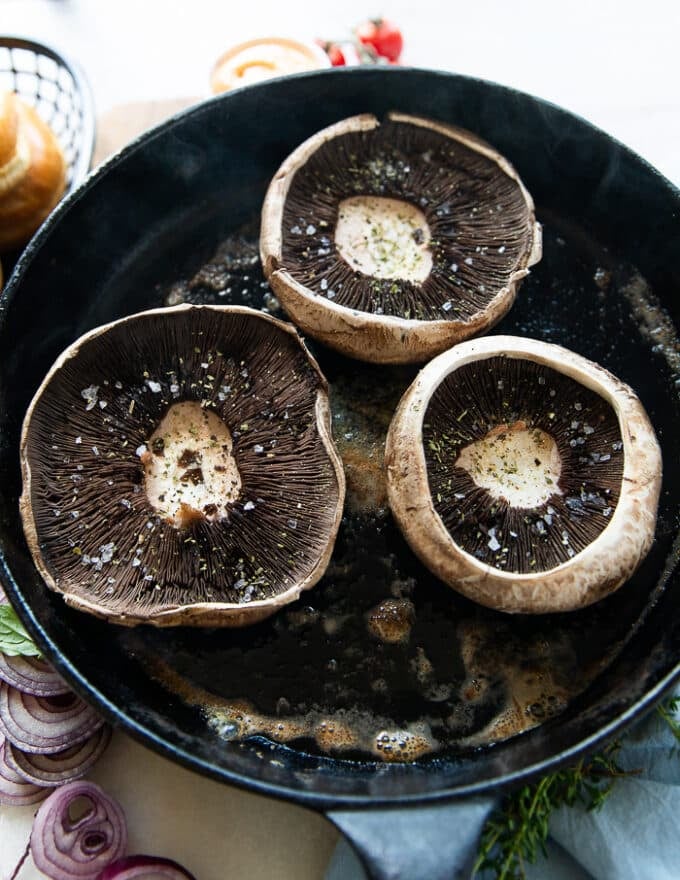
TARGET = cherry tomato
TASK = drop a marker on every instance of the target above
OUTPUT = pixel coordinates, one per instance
(383, 36)
(334, 52)
(336, 55)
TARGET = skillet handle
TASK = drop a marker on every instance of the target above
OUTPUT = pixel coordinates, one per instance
(418, 843)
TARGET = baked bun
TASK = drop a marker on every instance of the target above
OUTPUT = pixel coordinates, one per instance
(32, 171)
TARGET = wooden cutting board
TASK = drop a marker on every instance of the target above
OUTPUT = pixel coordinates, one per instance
(118, 126)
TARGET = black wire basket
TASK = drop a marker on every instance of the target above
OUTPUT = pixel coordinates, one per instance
(58, 90)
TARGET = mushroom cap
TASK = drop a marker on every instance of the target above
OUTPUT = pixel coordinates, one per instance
(387, 338)
(599, 569)
(145, 363)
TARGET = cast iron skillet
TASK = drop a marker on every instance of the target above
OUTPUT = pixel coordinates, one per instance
(150, 216)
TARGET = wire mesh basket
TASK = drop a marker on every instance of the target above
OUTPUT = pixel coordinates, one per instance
(57, 89)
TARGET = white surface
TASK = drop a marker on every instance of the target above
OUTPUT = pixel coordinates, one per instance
(615, 63)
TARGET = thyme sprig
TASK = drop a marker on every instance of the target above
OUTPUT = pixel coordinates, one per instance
(669, 710)
(516, 834)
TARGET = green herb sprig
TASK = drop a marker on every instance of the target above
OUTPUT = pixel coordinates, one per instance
(668, 711)
(516, 834)
(14, 640)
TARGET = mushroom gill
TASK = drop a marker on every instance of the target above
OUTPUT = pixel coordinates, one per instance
(392, 240)
(178, 468)
(524, 475)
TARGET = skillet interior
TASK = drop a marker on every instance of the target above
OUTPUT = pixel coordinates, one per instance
(153, 215)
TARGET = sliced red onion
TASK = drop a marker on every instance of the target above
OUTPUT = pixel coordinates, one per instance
(45, 725)
(145, 868)
(15, 791)
(3, 599)
(32, 675)
(60, 767)
(69, 847)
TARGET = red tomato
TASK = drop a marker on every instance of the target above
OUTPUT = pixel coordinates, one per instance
(336, 55)
(383, 36)
(334, 52)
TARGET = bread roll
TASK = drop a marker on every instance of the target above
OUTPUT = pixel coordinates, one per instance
(32, 171)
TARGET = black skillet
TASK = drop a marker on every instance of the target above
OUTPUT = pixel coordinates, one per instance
(607, 287)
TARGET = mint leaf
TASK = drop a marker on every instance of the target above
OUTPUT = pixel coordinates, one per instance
(14, 640)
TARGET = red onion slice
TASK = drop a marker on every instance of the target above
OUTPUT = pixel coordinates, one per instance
(14, 790)
(145, 868)
(3, 598)
(45, 724)
(32, 675)
(60, 767)
(66, 847)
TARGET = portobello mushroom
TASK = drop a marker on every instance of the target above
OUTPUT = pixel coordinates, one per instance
(178, 468)
(524, 475)
(392, 241)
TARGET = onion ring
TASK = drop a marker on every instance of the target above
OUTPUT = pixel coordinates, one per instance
(32, 675)
(143, 867)
(15, 791)
(66, 847)
(45, 724)
(60, 767)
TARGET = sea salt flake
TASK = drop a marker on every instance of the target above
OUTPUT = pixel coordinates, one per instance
(79, 440)
(154, 387)
(140, 450)
(311, 229)
(106, 551)
(249, 505)
(447, 306)
(493, 543)
(89, 394)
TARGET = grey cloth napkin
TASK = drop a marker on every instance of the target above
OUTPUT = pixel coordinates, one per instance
(634, 836)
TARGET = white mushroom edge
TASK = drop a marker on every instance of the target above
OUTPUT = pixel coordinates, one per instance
(209, 614)
(599, 569)
(369, 337)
